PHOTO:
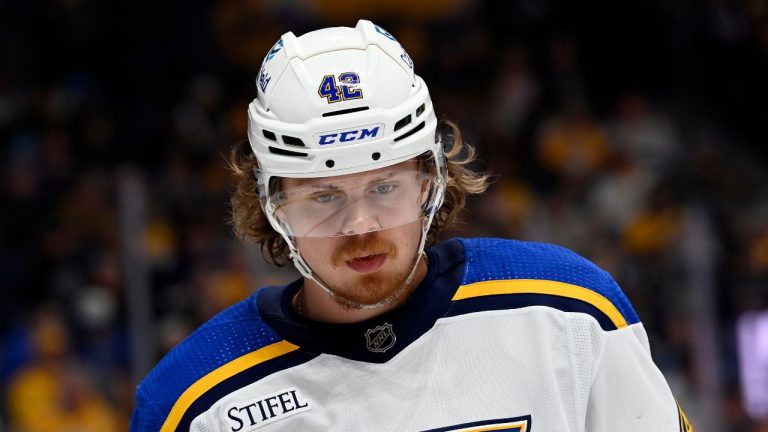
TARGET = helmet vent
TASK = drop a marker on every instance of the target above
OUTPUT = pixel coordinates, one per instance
(403, 122)
(283, 152)
(289, 140)
(419, 110)
(330, 163)
(344, 111)
(419, 127)
(269, 135)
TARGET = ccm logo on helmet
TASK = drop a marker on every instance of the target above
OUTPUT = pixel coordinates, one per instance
(361, 134)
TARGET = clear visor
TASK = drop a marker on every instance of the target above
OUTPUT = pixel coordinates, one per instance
(352, 204)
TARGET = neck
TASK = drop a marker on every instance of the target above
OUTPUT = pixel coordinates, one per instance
(317, 304)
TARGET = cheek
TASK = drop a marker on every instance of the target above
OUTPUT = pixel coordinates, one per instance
(315, 250)
(406, 238)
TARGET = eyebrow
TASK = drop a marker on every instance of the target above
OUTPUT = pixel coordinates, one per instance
(322, 186)
(331, 186)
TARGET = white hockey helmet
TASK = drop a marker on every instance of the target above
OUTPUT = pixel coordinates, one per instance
(339, 101)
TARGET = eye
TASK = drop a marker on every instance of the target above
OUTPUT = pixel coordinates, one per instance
(383, 188)
(326, 197)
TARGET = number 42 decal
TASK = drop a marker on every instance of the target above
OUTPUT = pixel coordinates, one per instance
(344, 89)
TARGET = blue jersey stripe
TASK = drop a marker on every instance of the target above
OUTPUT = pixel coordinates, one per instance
(517, 301)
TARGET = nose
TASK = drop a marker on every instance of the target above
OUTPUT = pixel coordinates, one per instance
(358, 217)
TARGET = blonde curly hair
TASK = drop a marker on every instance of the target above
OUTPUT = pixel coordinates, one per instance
(251, 224)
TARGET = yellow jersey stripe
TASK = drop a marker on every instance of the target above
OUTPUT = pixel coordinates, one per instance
(518, 426)
(220, 374)
(685, 425)
(539, 286)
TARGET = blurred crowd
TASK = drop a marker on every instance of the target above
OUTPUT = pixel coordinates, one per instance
(633, 134)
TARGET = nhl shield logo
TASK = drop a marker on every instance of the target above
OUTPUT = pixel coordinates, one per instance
(380, 338)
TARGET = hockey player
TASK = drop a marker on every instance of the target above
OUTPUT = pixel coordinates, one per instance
(346, 177)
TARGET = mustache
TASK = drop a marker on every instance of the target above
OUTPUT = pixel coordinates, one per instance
(359, 245)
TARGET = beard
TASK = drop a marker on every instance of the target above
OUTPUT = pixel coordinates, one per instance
(380, 287)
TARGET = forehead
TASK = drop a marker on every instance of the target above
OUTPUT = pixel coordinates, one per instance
(358, 178)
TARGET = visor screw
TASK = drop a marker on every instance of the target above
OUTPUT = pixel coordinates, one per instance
(376, 156)
(330, 163)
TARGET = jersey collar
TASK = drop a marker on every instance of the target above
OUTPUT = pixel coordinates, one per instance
(380, 338)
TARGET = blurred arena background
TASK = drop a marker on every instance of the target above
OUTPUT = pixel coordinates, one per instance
(632, 132)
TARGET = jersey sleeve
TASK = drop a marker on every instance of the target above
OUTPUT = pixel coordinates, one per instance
(205, 365)
(143, 419)
(629, 392)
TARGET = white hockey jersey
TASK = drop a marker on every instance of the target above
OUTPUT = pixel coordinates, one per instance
(500, 335)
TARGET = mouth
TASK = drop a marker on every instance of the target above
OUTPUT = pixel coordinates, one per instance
(368, 263)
